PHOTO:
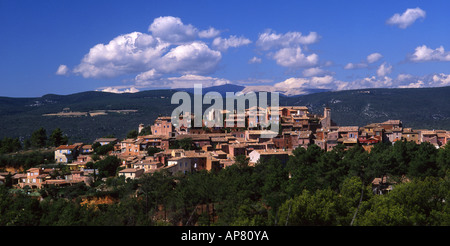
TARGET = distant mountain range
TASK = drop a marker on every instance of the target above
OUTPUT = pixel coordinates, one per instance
(89, 115)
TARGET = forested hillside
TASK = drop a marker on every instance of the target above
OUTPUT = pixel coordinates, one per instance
(314, 187)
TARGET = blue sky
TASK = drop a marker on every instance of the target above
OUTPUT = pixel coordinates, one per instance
(65, 47)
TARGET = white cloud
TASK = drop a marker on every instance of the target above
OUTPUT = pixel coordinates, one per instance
(185, 81)
(270, 39)
(172, 29)
(374, 57)
(294, 58)
(255, 60)
(223, 44)
(431, 80)
(62, 70)
(371, 82)
(313, 82)
(417, 84)
(384, 69)
(210, 33)
(407, 18)
(423, 53)
(138, 53)
(441, 79)
(193, 58)
(189, 80)
(117, 89)
(146, 76)
(128, 53)
(314, 71)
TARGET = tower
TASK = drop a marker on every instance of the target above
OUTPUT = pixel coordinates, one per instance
(326, 121)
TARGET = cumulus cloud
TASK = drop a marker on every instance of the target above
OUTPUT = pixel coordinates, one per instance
(138, 53)
(441, 79)
(384, 69)
(374, 57)
(62, 70)
(431, 80)
(128, 53)
(210, 33)
(295, 58)
(423, 53)
(223, 44)
(192, 58)
(172, 29)
(298, 85)
(407, 18)
(313, 82)
(270, 39)
(119, 89)
(170, 48)
(147, 76)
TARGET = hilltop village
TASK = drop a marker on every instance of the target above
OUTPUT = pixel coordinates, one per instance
(162, 146)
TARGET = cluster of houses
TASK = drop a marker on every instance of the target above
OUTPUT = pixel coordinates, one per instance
(216, 148)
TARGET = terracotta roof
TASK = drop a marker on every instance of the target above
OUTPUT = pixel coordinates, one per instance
(67, 147)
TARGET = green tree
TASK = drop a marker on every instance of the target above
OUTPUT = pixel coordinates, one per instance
(132, 134)
(419, 203)
(57, 138)
(153, 150)
(310, 209)
(274, 182)
(304, 169)
(9, 145)
(241, 161)
(184, 143)
(108, 166)
(39, 138)
(424, 162)
(443, 160)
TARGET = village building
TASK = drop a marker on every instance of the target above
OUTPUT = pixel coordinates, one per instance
(163, 126)
(66, 153)
(410, 135)
(265, 155)
(131, 173)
